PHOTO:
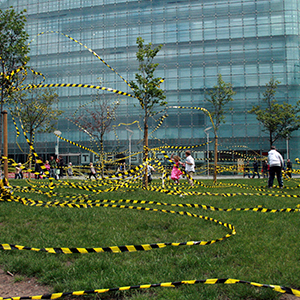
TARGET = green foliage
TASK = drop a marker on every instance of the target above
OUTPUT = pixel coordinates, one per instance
(13, 49)
(219, 96)
(279, 120)
(36, 109)
(146, 88)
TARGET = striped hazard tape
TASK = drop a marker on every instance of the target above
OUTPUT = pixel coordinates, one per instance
(174, 284)
(7, 196)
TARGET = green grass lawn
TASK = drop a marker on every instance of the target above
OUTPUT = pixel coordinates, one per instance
(265, 248)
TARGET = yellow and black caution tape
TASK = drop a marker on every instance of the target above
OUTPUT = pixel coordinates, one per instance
(84, 203)
(6, 196)
(81, 85)
(90, 50)
(85, 131)
(75, 144)
(160, 122)
(197, 108)
(173, 284)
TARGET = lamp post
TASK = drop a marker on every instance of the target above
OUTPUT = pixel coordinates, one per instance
(57, 132)
(287, 146)
(207, 151)
(131, 133)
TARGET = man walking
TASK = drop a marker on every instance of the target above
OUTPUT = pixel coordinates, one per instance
(189, 167)
(276, 163)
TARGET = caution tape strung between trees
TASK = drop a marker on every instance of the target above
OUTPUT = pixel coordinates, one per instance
(86, 202)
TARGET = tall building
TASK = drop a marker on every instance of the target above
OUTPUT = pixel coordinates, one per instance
(246, 41)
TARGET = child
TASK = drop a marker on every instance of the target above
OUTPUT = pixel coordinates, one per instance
(18, 171)
(176, 173)
(70, 170)
(92, 172)
(150, 169)
(47, 166)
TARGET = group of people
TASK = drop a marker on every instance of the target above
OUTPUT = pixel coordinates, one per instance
(55, 168)
(52, 168)
(255, 169)
(176, 172)
(271, 167)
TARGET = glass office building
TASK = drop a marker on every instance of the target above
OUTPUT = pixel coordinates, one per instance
(246, 41)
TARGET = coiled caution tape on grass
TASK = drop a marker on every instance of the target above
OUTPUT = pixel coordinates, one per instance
(85, 203)
(114, 249)
(276, 288)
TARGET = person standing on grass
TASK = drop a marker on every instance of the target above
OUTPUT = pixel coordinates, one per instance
(247, 169)
(255, 168)
(189, 167)
(47, 166)
(176, 172)
(38, 170)
(276, 164)
(18, 171)
(150, 169)
(92, 171)
(53, 166)
(70, 170)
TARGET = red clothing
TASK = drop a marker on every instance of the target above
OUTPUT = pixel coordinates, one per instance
(176, 173)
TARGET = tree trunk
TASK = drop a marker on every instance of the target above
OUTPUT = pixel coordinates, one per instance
(271, 139)
(1, 125)
(216, 159)
(5, 149)
(30, 163)
(102, 158)
(146, 153)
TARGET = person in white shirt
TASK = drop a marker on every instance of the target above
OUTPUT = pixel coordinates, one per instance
(276, 164)
(189, 167)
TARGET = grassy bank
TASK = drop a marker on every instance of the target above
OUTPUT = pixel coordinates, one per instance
(265, 248)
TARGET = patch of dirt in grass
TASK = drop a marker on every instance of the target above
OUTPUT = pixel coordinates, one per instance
(13, 286)
(288, 297)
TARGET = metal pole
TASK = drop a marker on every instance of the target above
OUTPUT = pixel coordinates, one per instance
(57, 132)
(130, 151)
(131, 133)
(207, 155)
(57, 143)
(207, 151)
(287, 146)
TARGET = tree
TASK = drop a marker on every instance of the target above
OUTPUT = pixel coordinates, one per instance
(35, 109)
(146, 88)
(220, 95)
(97, 121)
(279, 120)
(13, 54)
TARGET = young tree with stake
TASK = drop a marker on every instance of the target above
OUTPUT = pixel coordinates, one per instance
(146, 88)
(219, 96)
